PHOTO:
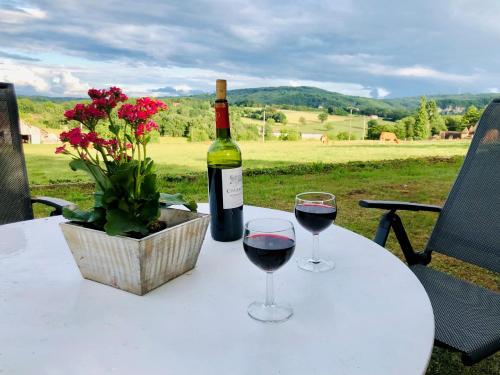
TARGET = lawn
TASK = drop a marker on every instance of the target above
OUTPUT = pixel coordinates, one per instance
(422, 180)
(177, 155)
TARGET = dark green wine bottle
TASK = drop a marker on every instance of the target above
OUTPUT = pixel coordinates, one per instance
(225, 183)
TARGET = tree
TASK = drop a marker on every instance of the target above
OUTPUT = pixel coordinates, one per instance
(436, 122)
(280, 117)
(421, 128)
(302, 120)
(372, 122)
(409, 124)
(471, 117)
(322, 116)
(453, 122)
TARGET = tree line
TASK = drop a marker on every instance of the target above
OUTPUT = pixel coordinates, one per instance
(425, 122)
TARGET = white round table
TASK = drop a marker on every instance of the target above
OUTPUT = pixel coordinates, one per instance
(368, 316)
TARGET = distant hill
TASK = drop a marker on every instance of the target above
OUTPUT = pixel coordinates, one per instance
(313, 97)
(304, 97)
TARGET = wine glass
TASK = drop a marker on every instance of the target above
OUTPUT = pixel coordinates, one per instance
(315, 211)
(269, 244)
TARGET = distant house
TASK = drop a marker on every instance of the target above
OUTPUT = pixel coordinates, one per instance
(374, 117)
(30, 134)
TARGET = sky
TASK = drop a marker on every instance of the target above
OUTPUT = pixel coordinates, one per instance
(370, 48)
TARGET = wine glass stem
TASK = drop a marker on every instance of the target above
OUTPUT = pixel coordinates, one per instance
(315, 249)
(269, 289)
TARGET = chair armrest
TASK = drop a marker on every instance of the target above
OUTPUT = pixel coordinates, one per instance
(395, 205)
(57, 203)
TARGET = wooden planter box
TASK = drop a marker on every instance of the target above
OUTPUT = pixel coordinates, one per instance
(139, 265)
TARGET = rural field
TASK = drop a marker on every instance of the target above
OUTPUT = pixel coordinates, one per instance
(277, 170)
(178, 156)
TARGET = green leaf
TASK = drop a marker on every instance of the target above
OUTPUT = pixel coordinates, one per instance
(98, 217)
(150, 210)
(121, 222)
(173, 199)
(148, 186)
(115, 129)
(74, 213)
(129, 138)
(93, 170)
(98, 198)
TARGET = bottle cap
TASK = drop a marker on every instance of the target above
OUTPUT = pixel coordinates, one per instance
(220, 89)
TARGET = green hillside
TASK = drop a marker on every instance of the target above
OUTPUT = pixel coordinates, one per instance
(311, 97)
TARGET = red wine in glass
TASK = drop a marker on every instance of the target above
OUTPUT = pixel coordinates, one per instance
(269, 244)
(268, 251)
(315, 211)
(315, 217)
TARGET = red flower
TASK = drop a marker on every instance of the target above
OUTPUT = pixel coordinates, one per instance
(143, 128)
(61, 149)
(106, 100)
(139, 132)
(74, 137)
(142, 111)
(85, 113)
(96, 94)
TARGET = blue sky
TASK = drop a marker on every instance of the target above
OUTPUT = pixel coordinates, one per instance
(373, 48)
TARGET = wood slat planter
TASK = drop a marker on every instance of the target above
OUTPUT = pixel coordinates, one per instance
(139, 265)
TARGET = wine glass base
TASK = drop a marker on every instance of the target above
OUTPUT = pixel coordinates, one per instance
(269, 313)
(315, 265)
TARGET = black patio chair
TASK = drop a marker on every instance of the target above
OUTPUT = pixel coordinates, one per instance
(467, 316)
(15, 201)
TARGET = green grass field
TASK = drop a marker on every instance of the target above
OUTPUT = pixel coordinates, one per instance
(178, 156)
(314, 126)
(422, 180)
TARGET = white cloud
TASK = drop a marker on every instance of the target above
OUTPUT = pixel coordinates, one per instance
(415, 71)
(382, 93)
(50, 79)
(21, 15)
(44, 80)
(185, 89)
(374, 64)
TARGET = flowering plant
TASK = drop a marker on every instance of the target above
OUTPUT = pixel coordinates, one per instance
(126, 200)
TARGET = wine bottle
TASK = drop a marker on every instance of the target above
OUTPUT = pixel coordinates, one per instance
(225, 183)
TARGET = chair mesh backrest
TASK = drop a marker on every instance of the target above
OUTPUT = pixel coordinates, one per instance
(15, 204)
(468, 227)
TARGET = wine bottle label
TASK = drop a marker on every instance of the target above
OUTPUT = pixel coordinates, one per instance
(232, 188)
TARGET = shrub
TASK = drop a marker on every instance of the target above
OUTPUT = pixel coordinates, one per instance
(197, 134)
(343, 136)
(453, 122)
(331, 135)
(290, 134)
